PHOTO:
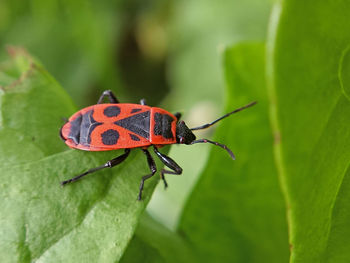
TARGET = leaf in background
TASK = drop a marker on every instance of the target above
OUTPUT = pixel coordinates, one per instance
(307, 62)
(198, 32)
(74, 39)
(236, 212)
(153, 242)
(89, 221)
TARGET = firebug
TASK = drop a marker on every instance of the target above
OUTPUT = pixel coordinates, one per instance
(114, 125)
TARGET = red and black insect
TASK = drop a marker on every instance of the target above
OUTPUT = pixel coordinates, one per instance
(114, 125)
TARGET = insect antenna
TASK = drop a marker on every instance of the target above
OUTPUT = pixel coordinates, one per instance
(217, 144)
(226, 115)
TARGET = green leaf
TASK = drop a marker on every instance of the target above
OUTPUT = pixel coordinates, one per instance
(88, 221)
(308, 66)
(153, 242)
(198, 33)
(236, 212)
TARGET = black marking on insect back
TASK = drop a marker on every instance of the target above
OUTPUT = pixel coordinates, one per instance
(134, 137)
(88, 124)
(162, 125)
(158, 124)
(74, 132)
(110, 137)
(138, 123)
(135, 110)
(111, 111)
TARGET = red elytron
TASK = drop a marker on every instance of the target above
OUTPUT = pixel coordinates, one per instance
(114, 125)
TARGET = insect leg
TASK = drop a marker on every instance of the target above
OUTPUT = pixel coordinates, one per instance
(143, 102)
(169, 163)
(109, 164)
(108, 93)
(152, 167)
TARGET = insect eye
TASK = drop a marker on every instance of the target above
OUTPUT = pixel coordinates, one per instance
(182, 139)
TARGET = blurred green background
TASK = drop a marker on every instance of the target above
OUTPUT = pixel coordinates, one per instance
(284, 197)
(168, 52)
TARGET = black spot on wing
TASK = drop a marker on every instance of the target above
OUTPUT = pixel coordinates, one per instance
(110, 137)
(88, 124)
(135, 110)
(162, 125)
(111, 111)
(74, 132)
(134, 137)
(158, 123)
(138, 123)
